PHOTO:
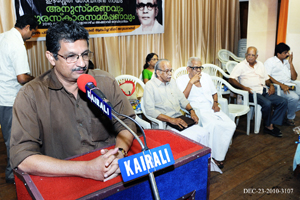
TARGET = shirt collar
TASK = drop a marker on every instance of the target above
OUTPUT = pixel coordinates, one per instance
(158, 82)
(54, 83)
(278, 60)
(248, 65)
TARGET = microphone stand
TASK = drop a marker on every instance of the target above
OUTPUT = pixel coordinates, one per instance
(151, 175)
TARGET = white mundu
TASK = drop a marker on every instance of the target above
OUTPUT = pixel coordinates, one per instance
(218, 124)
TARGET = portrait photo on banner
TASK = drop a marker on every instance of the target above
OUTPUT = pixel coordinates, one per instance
(102, 18)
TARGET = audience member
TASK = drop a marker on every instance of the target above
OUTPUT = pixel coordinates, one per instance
(281, 71)
(150, 62)
(201, 92)
(52, 120)
(250, 75)
(163, 100)
(14, 72)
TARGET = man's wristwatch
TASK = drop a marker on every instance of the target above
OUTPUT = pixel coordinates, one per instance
(123, 152)
(190, 110)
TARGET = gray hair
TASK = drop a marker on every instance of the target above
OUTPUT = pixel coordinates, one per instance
(191, 59)
(157, 65)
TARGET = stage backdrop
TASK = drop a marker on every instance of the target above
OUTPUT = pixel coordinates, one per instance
(102, 18)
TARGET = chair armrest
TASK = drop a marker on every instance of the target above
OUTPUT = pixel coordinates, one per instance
(160, 124)
(277, 88)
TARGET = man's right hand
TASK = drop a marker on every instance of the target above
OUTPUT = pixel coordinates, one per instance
(248, 89)
(195, 78)
(285, 88)
(179, 122)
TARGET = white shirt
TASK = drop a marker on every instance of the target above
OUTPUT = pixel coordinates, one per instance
(14, 61)
(252, 77)
(281, 72)
(157, 28)
(200, 97)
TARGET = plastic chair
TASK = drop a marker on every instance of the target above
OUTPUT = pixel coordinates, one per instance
(235, 110)
(225, 55)
(230, 65)
(212, 70)
(179, 72)
(121, 79)
(255, 109)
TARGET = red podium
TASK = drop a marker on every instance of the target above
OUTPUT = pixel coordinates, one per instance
(188, 177)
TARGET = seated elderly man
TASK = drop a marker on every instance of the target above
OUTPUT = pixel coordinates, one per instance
(250, 75)
(281, 71)
(201, 92)
(163, 100)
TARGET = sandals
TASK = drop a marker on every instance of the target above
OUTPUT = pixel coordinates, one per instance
(220, 164)
(289, 122)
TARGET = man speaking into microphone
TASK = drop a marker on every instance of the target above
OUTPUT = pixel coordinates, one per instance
(53, 120)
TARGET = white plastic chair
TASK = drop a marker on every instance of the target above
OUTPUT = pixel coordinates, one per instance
(212, 70)
(179, 72)
(278, 88)
(255, 109)
(225, 55)
(230, 65)
(235, 110)
(122, 78)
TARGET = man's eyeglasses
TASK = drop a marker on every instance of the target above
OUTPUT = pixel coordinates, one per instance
(72, 58)
(141, 6)
(196, 68)
(167, 70)
(248, 55)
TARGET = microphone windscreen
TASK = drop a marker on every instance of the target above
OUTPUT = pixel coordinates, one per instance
(85, 79)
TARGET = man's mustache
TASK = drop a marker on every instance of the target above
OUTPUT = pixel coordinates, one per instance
(79, 69)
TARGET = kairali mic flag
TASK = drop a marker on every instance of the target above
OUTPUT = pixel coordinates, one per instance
(102, 18)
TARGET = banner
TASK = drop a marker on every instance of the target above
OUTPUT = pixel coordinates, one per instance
(102, 18)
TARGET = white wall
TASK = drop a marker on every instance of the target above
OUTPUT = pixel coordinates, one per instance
(262, 23)
(293, 32)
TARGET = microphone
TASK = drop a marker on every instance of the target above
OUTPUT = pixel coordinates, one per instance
(87, 84)
(86, 80)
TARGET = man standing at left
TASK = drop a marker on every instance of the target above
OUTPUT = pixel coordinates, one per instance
(14, 72)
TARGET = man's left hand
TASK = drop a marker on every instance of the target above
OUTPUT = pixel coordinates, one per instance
(216, 107)
(194, 116)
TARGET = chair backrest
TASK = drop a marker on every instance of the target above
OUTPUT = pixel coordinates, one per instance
(122, 79)
(224, 56)
(230, 65)
(212, 70)
(219, 82)
(179, 72)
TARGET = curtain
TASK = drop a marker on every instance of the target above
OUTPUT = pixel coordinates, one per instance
(282, 22)
(192, 28)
